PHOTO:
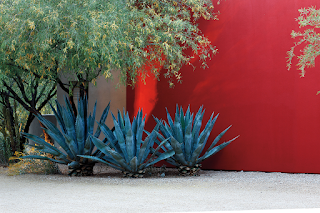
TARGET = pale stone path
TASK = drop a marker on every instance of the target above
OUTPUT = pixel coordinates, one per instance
(109, 192)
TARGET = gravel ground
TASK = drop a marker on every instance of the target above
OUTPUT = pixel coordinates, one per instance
(108, 191)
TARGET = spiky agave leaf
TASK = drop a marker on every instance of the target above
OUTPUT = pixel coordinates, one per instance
(43, 146)
(187, 139)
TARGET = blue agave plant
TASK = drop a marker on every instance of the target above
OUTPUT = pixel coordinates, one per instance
(187, 141)
(126, 151)
(72, 138)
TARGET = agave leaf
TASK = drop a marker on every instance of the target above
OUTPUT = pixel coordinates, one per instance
(101, 161)
(72, 145)
(134, 127)
(167, 145)
(139, 136)
(85, 107)
(149, 145)
(204, 135)
(156, 119)
(69, 110)
(209, 124)
(178, 151)
(170, 121)
(134, 164)
(110, 137)
(108, 151)
(216, 140)
(213, 151)
(91, 120)
(102, 120)
(167, 131)
(188, 141)
(80, 132)
(53, 150)
(154, 152)
(177, 127)
(209, 129)
(127, 123)
(105, 156)
(87, 147)
(163, 156)
(177, 111)
(144, 149)
(107, 132)
(44, 158)
(130, 144)
(121, 140)
(139, 117)
(196, 154)
(183, 125)
(58, 116)
(187, 116)
(70, 126)
(195, 132)
(59, 139)
(48, 124)
(169, 160)
(199, 113)
(121, 122)
(80, 109)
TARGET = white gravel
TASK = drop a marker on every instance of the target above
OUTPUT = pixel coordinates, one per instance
(107, 191)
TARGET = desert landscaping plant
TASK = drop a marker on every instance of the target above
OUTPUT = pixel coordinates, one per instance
(73, 137)
(126, 150)
(31, 165)
(187, 139)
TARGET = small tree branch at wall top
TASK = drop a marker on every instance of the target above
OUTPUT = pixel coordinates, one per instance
(87, 38)
(310, 19)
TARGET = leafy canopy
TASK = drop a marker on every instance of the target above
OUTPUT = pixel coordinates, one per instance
(309, 18)
(91, 37)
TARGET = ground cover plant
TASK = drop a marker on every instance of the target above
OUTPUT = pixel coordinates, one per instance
(126, 150)
(187, 139)
(73, 137)
(31, 165)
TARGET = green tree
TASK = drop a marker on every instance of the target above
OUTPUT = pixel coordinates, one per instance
(42, 41)
(87, 38)
(309, 19)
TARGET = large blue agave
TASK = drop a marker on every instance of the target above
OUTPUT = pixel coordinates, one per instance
(126, 151)
(187, 141)
(72, 138)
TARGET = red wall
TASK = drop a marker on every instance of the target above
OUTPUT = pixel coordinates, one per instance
(275, 112)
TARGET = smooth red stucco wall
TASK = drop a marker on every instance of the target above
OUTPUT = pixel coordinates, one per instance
(275, 112)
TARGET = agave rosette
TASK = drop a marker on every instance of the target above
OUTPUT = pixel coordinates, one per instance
(126, 150)
(72, 139)
(187, 139)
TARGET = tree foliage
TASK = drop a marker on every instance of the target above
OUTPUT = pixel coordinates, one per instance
(309, 19)
(48, 38)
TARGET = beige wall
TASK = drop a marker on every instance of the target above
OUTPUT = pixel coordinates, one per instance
(103, 92)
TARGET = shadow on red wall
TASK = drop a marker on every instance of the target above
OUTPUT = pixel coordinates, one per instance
(275, 112)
